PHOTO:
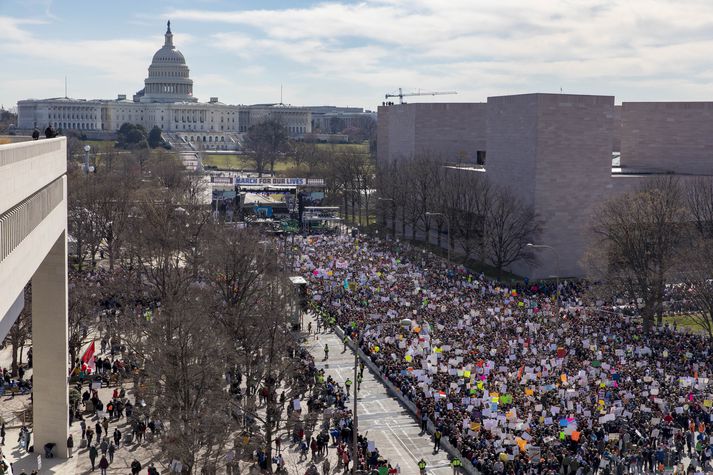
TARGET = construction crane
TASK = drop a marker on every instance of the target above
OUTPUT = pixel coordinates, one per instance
(401, 94)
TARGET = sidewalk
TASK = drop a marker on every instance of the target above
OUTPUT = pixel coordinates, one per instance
(79, 463)
(385, 421)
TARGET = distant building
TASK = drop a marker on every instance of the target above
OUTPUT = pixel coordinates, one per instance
(562, 154)
(295, 119)
(333, 120)
(166, 101)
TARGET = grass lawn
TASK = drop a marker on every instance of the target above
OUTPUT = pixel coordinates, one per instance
(683, 321)
(240, 162)
(345, 147)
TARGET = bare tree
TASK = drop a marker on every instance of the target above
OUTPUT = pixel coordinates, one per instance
(267, 141)
(509, 226)
(699, 197)
(21, 331)
(694, 267)
(82, 310)
(465, 197)
(82, 195)
(387, 197)
(638, 237)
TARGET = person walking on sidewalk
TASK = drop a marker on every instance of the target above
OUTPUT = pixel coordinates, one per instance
(437, 441)
(93, 456)
(348, 385)
(103, 465)
(326, 352)
(70, 445)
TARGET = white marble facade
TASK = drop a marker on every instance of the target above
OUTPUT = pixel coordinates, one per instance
(166, 101)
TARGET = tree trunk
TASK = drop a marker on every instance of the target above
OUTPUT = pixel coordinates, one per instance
(13, 367)
(648, 318)
(110, 251)
(366, 207)
(403, 223)
(346, 206)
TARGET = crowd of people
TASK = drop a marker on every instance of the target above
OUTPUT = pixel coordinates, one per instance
(515, 380)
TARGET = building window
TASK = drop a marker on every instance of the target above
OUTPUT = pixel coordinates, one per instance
(480, 157)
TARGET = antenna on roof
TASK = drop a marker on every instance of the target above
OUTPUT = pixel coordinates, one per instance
(65, 87)
(281, 103)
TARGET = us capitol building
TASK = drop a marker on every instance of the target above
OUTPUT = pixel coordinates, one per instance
(166, 101)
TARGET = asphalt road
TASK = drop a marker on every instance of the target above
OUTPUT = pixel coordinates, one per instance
(385, 421)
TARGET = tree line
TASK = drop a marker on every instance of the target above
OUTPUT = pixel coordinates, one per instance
(652, 246)
(487, 223)
(196, 304)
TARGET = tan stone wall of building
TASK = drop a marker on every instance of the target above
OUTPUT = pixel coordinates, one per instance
(668, 136)
(512, 144)
(575, 138)
(452, 131)
(554, 151)
(396, 132)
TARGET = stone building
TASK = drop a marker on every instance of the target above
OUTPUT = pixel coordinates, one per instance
(562, 154)
(33, 247)
(166, 101)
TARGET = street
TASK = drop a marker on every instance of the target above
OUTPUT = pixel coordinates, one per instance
(390, 425)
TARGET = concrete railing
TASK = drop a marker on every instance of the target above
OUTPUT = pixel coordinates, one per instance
(17, 223)
(6, 139)
(23, 150)
(28, 167)
(467, 466)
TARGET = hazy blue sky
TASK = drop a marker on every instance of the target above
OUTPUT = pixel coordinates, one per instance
(351, 53)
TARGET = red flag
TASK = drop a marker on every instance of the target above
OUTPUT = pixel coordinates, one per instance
(87, 357)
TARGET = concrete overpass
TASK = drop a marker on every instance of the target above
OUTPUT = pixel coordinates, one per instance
(33, 247)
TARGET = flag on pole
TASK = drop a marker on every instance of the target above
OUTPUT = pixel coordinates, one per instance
(87, 357)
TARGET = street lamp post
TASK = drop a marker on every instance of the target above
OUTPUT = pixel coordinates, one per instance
(87, 168)
(448, 228)
(355, 442)
(557, 268)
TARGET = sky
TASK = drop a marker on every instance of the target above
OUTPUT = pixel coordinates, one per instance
(350, 53)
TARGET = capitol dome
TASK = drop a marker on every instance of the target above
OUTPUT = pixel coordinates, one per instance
(168, 55)
(168, 79)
